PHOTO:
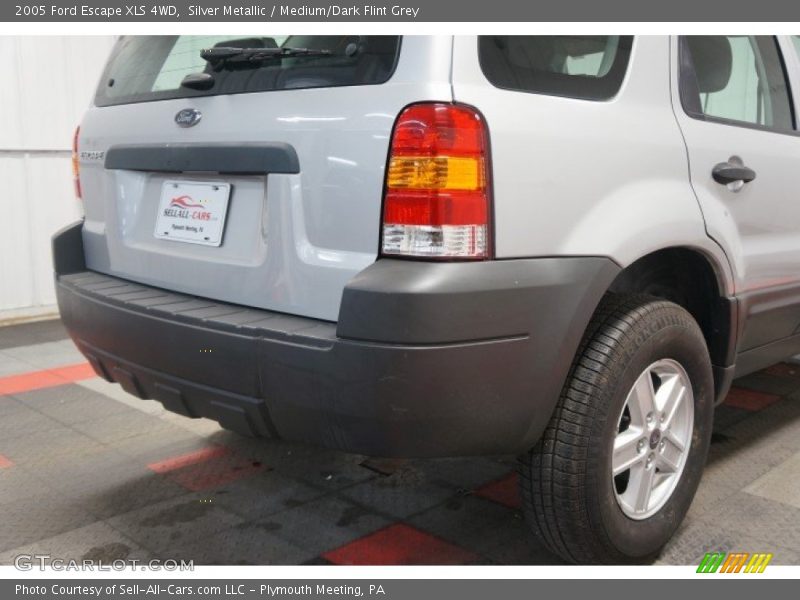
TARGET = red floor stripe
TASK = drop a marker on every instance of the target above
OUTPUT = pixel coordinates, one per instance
(206, 468)
(5, 463)
(37, 380)
(75, 372)
(399, 544)
(215, 473)
(504, 491)
(185, 460)
(749, 400)
(784, 370)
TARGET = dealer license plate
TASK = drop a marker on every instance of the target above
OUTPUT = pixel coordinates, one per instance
(192, 212)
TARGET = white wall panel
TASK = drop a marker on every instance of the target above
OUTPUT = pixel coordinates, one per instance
(10, 95)
(16, 275)
(48, 83)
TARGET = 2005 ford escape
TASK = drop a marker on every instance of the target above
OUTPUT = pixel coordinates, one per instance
(563, 247)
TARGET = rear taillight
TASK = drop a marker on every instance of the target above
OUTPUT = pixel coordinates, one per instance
(76, 165)
(436, 202)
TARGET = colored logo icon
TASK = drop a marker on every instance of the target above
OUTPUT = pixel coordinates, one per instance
(735, 562)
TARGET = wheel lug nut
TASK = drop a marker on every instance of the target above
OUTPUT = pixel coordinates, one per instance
(640, 446)
(649, 417)
(662, 445)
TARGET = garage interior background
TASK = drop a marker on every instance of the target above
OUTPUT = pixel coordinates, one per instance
(49, 82)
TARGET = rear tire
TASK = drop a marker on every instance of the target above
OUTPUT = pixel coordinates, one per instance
(608, 481)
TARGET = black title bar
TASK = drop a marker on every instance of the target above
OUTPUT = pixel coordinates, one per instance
(400, 11)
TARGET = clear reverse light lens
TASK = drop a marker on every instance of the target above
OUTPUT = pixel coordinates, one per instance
(434, 241)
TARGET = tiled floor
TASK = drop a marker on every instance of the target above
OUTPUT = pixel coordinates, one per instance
(87, 471)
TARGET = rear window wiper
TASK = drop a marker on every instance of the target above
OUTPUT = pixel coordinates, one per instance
(221, 54)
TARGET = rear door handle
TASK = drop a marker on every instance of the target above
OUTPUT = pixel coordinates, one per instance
(732, 171)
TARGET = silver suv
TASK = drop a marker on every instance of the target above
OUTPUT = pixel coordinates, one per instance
(561, 247)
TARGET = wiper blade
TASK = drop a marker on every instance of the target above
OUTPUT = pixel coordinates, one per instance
(222, 54)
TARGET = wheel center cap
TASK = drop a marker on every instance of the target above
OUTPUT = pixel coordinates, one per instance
(655, 437)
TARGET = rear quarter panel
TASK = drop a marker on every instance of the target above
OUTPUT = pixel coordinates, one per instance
(578, 177)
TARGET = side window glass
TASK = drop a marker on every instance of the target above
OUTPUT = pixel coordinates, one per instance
(590, 67)
(737, 78)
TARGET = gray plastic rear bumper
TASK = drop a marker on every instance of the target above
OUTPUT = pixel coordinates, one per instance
(427, 359)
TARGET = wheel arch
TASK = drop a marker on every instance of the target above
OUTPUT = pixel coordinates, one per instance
(695, 280)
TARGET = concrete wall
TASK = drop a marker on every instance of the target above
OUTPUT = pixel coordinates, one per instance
(47, 84)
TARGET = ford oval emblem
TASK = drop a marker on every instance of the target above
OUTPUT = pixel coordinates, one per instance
(188, 117)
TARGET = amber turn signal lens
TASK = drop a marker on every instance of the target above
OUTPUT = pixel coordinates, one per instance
(435, 173)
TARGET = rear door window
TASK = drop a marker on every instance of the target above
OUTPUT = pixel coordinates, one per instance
(590, 67)
(146, 68)
(736, 79)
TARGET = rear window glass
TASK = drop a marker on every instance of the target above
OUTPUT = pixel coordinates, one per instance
(589, 67)
(145, 68)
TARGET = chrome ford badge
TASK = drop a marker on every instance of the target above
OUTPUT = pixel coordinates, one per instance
(188, 117)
